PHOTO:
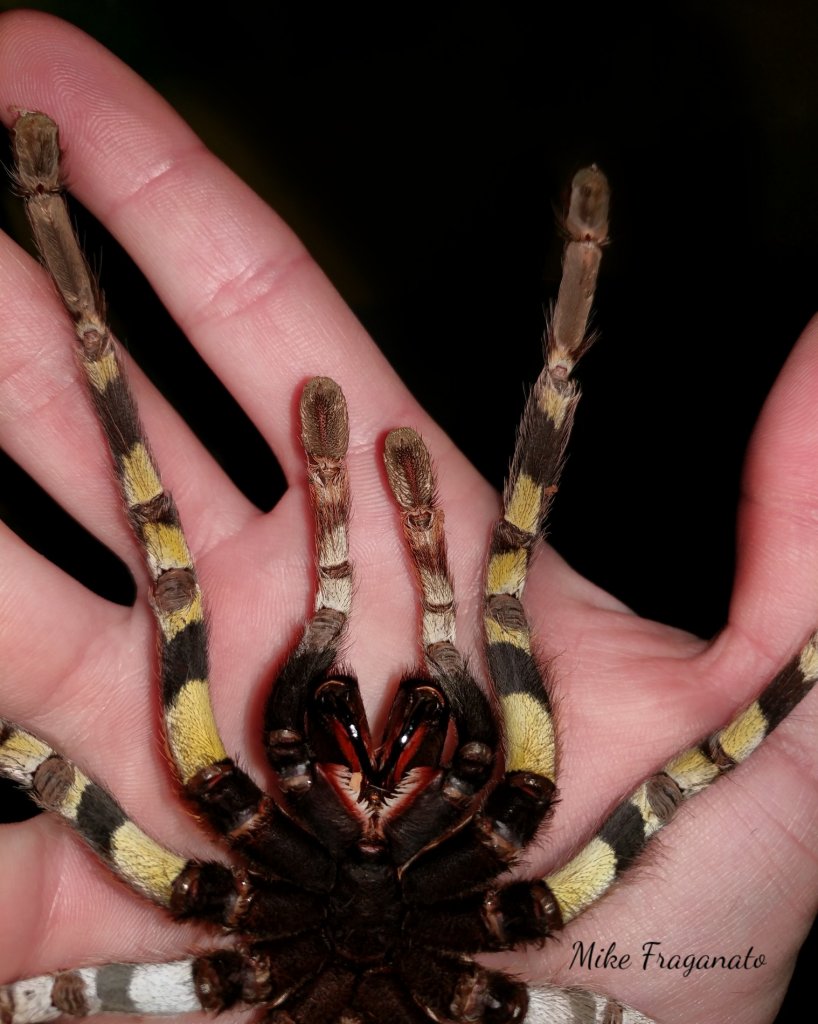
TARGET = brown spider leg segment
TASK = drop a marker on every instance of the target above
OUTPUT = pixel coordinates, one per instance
(325, 437)
(193, 738)
(229, 799)
(186, 888)
(517, 805)
(411, 479)
(260, 973)
(451, 988)
(382, 997)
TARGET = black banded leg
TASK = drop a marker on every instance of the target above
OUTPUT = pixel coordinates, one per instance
(536, 466)
(120, 988)
(59, 786)
(524, 912)
(263, 973)
(524, 796)
(193, 737)
(411, 479)
(200, 890)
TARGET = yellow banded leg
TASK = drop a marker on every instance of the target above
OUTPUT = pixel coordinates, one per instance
(626, 832)
(193, 739)
(201, 890)
(191, 729)
(59, 786)
(532, 483)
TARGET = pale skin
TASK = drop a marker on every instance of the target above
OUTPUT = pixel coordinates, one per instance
(740, 865)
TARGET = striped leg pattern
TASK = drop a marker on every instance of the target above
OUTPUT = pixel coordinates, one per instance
(59, 786)
(261, 973)
(186, 888)
(519, 803)
(627, 830)
(530, 911)
(364, 887)
(193, 739)
(117, 988)
(295, 714)
(530, 741)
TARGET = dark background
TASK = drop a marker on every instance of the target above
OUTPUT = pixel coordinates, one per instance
(420, 155)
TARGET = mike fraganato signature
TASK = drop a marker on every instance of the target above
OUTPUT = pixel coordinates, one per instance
(593, 957)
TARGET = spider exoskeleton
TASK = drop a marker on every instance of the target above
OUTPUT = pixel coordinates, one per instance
(365, 888)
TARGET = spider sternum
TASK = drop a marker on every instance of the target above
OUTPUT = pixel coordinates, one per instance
(366, 909)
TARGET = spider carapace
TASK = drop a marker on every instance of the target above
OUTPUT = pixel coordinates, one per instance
(363, 890)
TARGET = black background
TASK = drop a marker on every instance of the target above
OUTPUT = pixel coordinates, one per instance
(420, 154)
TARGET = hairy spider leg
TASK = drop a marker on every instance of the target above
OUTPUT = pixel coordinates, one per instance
(530, 745)
(58, 785)
(529, 911)
(325, 437)
(186, 888)
(225, 795)
(215, 981)
(292, 703)
(263, 972)
(444, 804)
(196, 748)
(523, 797)
(627, 830)
(125, 988)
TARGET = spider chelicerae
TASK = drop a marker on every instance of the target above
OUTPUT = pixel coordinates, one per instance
(424, 842)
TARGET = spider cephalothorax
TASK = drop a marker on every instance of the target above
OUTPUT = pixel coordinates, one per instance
(364, 889)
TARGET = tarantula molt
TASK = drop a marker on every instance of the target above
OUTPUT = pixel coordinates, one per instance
(362, 891)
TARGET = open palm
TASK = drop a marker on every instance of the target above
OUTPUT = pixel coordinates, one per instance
(740, 866)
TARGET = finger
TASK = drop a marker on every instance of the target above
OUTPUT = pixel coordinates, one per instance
(49, 623)
(230, 272)
(48, 427)
(77, 671)
(775, 598)
(745, 849)
(61, 909)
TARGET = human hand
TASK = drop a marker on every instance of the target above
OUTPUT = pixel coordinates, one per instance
(265, 319)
